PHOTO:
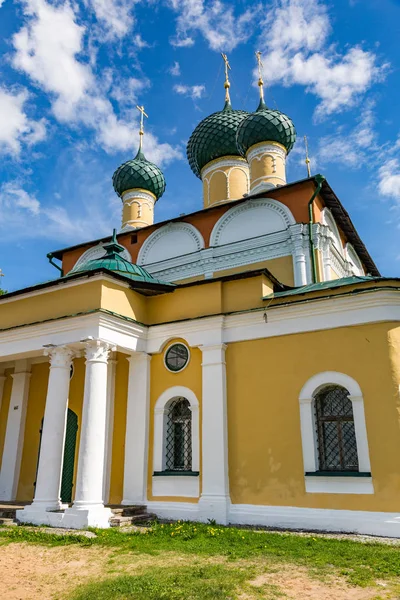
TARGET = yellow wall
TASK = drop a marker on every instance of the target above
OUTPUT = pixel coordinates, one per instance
(160, 380)
(51, 304)
(34, 416)
(123, 301)
(265, 452)
(118, 444)
(281, 268)
(4, 408)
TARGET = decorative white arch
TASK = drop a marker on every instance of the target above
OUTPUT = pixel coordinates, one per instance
(329, 221)
(251, 219)
(97, 252)
(354, 260)
(160, 413)
(309, 441)
(171, 240)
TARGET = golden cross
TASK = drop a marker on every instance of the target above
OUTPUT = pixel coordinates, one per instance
(307, 157)
(260, 74)
(141, 130)
(227, 85)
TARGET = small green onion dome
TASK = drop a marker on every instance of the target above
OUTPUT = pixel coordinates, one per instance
(112, 261)
(139, 173)
(214, 137)
(265, 125)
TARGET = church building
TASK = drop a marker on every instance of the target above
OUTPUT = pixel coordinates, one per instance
(239, 364)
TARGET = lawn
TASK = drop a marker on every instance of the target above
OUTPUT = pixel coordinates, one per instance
(190, 561)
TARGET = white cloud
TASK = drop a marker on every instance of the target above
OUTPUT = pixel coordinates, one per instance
(48, 49)
(15, 126)
(195, 92)
(175, 70)
(389, 179)
(14, 196)
(294, 41)
(215, 20)
(115, 17)
(350, 147)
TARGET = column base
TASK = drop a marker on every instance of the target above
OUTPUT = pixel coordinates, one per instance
(215, 508)
(71, 518)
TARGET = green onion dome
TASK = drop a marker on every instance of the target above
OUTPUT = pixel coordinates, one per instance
(265, 125)
(139, 173)
(214, 137)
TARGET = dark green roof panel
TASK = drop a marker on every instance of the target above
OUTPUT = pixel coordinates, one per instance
(265, 125)
(214, 137)
(139, 173)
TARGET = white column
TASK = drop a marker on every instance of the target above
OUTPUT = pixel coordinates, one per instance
(137, 430)
(299, 254)
(88, 509)
(109, 428)
(215, 500)
(14, 440)
(48, 480)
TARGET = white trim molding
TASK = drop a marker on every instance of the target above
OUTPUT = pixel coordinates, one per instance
(97, 252)
(175, 485)
(333, 484)
(192, 234)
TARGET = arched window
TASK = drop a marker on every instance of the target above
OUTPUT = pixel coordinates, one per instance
(336, 437)
(178, 443)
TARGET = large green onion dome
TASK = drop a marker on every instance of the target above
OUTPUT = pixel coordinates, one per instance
(265, 125)
(214, 137)
(139, 173)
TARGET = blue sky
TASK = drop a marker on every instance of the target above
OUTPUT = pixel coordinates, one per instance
(73, 72)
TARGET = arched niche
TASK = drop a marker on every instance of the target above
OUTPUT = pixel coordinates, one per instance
(97, 252)
(170, 241)
(251, 219)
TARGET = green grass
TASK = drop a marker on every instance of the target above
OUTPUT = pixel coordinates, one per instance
(360, 563)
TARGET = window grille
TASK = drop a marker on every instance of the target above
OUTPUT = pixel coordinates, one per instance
(179, 436)
(337, 446)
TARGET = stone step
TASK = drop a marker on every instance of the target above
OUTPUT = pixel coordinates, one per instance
(8, 522)
(127, 511)
(125, 521)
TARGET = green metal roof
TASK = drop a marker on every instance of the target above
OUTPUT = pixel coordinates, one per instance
(214, 137)
(112, 261)
(265, 125)
(325, 285)
(139, 173)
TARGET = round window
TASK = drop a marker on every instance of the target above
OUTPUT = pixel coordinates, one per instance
(176, 357)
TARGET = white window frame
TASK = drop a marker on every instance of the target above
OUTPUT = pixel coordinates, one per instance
(333, 484)
(180, 484)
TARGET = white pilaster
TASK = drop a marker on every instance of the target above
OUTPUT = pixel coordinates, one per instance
(14, 440)
(48, 481)
(299, 253)
(109, 428)
(88, 509)
(137, 429)
(2, 380)
(215, 500)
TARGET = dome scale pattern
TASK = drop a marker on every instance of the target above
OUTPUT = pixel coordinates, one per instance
(214, 137)
(265, 125)
(139, 173)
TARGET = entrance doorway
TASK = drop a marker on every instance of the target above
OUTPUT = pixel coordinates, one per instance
(69, 456)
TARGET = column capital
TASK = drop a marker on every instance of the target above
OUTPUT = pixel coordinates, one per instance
(213, 354)
(139, 357)
(97, 350)
(60, 357)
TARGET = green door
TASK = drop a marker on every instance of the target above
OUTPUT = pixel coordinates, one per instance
(69, 456)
